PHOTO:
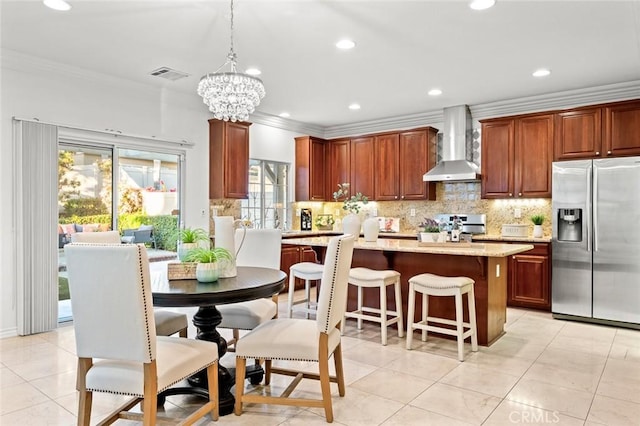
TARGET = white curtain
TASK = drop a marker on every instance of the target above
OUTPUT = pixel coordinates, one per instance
(35, 200)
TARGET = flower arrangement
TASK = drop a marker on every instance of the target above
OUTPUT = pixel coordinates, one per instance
(429, 225)
(324, 221)
(537, 219)
(350, 204)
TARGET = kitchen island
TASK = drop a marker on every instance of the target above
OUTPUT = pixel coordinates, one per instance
(485, 263)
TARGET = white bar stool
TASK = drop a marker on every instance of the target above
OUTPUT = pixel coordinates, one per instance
(364, 277)
(308, 271)
(435, 285)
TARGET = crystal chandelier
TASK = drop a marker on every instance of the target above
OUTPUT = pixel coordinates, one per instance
(231, 95)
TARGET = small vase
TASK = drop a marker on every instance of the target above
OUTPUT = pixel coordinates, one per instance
(207, 272)
(371, 227)
(351, 225)
(184, 249)
(430, 237)
(537, 231)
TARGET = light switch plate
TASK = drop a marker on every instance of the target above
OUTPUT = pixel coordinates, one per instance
(412, 212)
(517, 213)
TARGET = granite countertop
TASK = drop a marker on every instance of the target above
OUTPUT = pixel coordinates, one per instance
(413, 246)
(498, 237)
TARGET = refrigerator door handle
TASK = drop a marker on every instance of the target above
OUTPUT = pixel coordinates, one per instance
(594, 225)
(587, 225)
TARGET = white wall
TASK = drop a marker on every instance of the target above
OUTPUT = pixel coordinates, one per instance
(31, 88)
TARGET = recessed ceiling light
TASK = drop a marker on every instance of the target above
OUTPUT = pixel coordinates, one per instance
(345, 44)
(285, 115)
(57, 5)
(542, 72)
(481, 4)
(354, 106)
(253, 71)
(434, 92)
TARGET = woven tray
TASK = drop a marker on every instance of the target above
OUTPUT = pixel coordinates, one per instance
(181, 270)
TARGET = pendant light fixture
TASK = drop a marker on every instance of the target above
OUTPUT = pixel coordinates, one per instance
(231, 96)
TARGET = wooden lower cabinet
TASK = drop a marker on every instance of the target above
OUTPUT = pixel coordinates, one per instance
(529, 281)
(290, 255)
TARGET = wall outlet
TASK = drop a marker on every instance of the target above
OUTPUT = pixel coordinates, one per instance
(202, 212)
(517, 213)
(412, 212)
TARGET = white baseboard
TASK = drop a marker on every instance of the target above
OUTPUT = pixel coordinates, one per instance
(8, 332)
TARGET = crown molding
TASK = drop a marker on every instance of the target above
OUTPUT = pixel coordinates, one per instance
(385, 124)
(558, 100)
(286, 124)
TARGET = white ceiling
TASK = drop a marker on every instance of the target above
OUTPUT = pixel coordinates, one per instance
(404, 48)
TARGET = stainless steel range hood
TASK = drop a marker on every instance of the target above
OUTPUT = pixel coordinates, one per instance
(455, 164)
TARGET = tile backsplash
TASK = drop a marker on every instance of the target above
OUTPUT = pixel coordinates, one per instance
(451, 197)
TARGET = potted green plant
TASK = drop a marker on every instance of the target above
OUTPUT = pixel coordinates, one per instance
(324, 222)
(538, 220)
(429, 230)
(188, 239)
(207, 269)
(352, 204)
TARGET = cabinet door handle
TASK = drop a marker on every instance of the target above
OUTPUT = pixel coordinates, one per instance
(519, 194)
(510, 194)
(396, 197)
(608, 152)
(597, 152)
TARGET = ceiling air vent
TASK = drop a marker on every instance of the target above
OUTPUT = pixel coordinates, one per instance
(169, 74)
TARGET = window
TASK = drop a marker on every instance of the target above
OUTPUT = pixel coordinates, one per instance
(268, 202)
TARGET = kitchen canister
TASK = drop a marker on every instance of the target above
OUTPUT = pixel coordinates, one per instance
(371, 228)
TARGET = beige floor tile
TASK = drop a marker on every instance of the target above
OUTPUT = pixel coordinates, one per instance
(424, 365)
(20, 396)
(625, 352)
(468, 406)
(570, 378)
(416, 416)
(18, 342)
(9, 378)
(513, 413)
(373, 354)
(610, 411)
(359, 408)
(507, 365)
(535, 330)
(306, 418)
(47, 413)
(59, 361)
(573, 360)
(476, 378)
(580, 344)
(589, 331)
(56, 385)
(555, 398)
(512, 346)
(392, 385)
(621, 380)
(36, 351)
(102, 405)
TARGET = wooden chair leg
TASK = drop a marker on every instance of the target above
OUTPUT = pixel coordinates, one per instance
(86, 397)
(150, 402)
(323, 364)
(241, 368)
(337, 359)
(212, 379)
(410, 315)
(183, 333)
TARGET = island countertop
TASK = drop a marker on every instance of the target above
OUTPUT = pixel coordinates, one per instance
(413, 246)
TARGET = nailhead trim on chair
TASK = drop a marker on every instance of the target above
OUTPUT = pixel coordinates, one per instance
(333, 286)
(145, 298)
(159, 389)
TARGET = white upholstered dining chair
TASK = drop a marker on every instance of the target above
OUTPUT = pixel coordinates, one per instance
(116, 343)
(260, 248)
(167, 322)
(295, 339)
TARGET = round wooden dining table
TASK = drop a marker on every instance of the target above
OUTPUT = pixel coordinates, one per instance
(250, 283)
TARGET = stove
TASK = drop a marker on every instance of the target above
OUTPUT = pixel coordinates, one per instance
(471, 223)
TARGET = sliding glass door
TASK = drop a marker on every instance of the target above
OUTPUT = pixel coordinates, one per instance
(85, 203)
(133, 191)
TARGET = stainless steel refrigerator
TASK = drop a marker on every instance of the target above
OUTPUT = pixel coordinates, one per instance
(596, 240)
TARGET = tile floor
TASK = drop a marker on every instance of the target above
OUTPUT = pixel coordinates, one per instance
(543, 371)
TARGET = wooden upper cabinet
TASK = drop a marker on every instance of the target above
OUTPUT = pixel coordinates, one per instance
(622, 129)
(610, 130)
(310, 169)
(363, 166)
(533, 156)
(228, 159)
(417, 156)
(387, 167)
(339, 161)
(578, 134)
(497, 158)
(517, 156)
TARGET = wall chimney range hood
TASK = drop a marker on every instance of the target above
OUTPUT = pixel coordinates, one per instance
(454, 165)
